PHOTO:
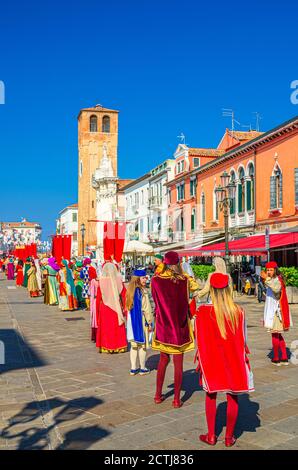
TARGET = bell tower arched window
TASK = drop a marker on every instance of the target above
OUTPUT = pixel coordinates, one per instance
(106, 124)
(93, 123)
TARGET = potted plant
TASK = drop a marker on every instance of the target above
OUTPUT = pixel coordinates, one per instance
(290, 276)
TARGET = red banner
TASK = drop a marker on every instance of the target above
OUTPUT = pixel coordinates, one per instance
(113, 240)
(61, 247)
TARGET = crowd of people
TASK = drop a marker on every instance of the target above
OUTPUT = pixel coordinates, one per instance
(173, 315)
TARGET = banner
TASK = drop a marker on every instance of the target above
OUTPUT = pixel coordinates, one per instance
(61, 247)
(113, 240)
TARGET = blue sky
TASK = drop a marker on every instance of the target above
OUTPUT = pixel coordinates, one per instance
(168, 66)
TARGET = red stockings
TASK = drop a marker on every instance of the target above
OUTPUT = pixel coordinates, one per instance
(232, 413)
(178, 374)
(278, 343)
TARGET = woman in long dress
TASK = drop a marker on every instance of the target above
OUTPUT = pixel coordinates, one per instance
(10, 270)
(51, 294)
(27, 266)
(32, 286)
(79, 283)
(93, 316)
(222, 355)
(87, 274)
(67, 290)
(139, 321)
(110, 308)
(20, 274)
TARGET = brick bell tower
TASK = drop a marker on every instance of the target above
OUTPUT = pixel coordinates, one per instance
(97, 131)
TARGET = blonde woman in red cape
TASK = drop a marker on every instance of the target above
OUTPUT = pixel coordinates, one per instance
(277, 316)
(173, 334)
(110, 308)
(222, 355)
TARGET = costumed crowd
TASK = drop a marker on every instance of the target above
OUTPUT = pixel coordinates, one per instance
(168, 315)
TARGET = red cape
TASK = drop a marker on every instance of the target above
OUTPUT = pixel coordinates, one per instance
(284, 305)
(171, 309)
(222, 362)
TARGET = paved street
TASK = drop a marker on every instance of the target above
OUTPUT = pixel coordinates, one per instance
(58, 392)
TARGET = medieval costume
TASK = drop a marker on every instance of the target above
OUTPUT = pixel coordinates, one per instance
(277, 316)
(110, 308)
(79, 283)
(222, 355)
(220, 267)
(173, 333)
(20, 274)
(32, 284)
(38, 274)
(139, 324)
(93, 316)
(51, 292)
(10, 270)
(87, 274)
(27, 266)
(67, 290)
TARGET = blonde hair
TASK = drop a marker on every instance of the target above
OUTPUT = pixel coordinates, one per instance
(130, 293)
(225, 309)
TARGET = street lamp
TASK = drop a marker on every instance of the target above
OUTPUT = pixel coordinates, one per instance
(83, 230)
(225, 194)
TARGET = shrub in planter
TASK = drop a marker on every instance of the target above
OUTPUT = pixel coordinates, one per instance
(201, 271)
(290, 276)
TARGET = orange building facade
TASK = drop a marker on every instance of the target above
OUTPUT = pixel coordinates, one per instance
(264, 167)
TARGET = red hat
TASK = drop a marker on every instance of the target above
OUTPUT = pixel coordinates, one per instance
(171, 257)
(271, 264)
(219, 280)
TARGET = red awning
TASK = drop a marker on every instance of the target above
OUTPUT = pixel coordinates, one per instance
(254, 245)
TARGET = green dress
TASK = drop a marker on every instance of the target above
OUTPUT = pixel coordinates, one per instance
(51, 293)
(27, 266)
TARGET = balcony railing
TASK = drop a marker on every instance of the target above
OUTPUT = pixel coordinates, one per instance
(179, 236)
(155, 201)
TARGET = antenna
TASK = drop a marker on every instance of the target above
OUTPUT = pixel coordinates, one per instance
(226, 112)
(258, 119)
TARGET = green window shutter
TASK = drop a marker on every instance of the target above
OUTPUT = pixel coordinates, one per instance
(240, 208)
(232, 208)
(253, 193)
(273, 199)
(248, 195)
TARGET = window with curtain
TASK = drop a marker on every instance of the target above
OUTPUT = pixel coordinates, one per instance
(250, 188)
(106, 124)
(193, 187)
(215, 206)
(241, 191)
(203, 208)
(276, 189)
(93, 123)
(193, 220)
